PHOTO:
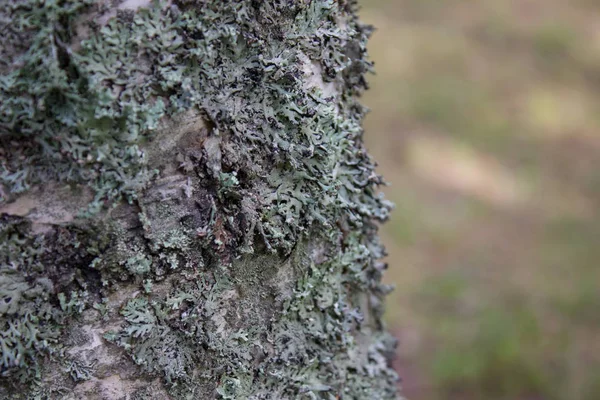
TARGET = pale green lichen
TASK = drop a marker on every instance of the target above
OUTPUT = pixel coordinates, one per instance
(241, 64)
(29, 322)
(255, 257)
(55, 122)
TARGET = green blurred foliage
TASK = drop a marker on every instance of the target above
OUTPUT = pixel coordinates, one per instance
(486, 121)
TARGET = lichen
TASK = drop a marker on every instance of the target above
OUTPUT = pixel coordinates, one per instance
(55, 123)
(86, 116)
(234, 257)
(30, 321)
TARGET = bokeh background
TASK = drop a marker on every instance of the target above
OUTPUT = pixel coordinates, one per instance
(486, 121)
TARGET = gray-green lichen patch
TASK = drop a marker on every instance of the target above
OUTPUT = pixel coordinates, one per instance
(253, 71)
(38, 293)
(228, 246)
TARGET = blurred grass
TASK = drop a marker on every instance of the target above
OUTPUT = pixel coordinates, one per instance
(486, 122)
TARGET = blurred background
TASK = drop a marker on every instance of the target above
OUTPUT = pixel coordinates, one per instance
(486, 121)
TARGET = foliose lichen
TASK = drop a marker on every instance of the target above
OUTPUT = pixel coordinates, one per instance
(34, 304)
(233, 258)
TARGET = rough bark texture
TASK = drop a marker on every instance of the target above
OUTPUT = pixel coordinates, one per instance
(187, 207)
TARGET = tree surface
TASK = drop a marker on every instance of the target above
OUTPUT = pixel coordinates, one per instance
(187, 207)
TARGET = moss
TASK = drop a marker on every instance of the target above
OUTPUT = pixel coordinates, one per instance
(250, 247)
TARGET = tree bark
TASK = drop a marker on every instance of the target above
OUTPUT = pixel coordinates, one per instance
(187, 207)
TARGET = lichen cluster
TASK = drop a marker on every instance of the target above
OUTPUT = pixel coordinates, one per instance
(42, 285)
(250, 244)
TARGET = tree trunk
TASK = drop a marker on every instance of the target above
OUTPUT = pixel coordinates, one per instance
(187, 208)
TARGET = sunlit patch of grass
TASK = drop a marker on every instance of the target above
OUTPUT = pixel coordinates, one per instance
(555, 111)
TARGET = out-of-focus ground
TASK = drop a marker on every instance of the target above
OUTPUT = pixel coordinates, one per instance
(486, 121)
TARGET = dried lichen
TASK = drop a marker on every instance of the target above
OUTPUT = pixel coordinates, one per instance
(230, 248)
